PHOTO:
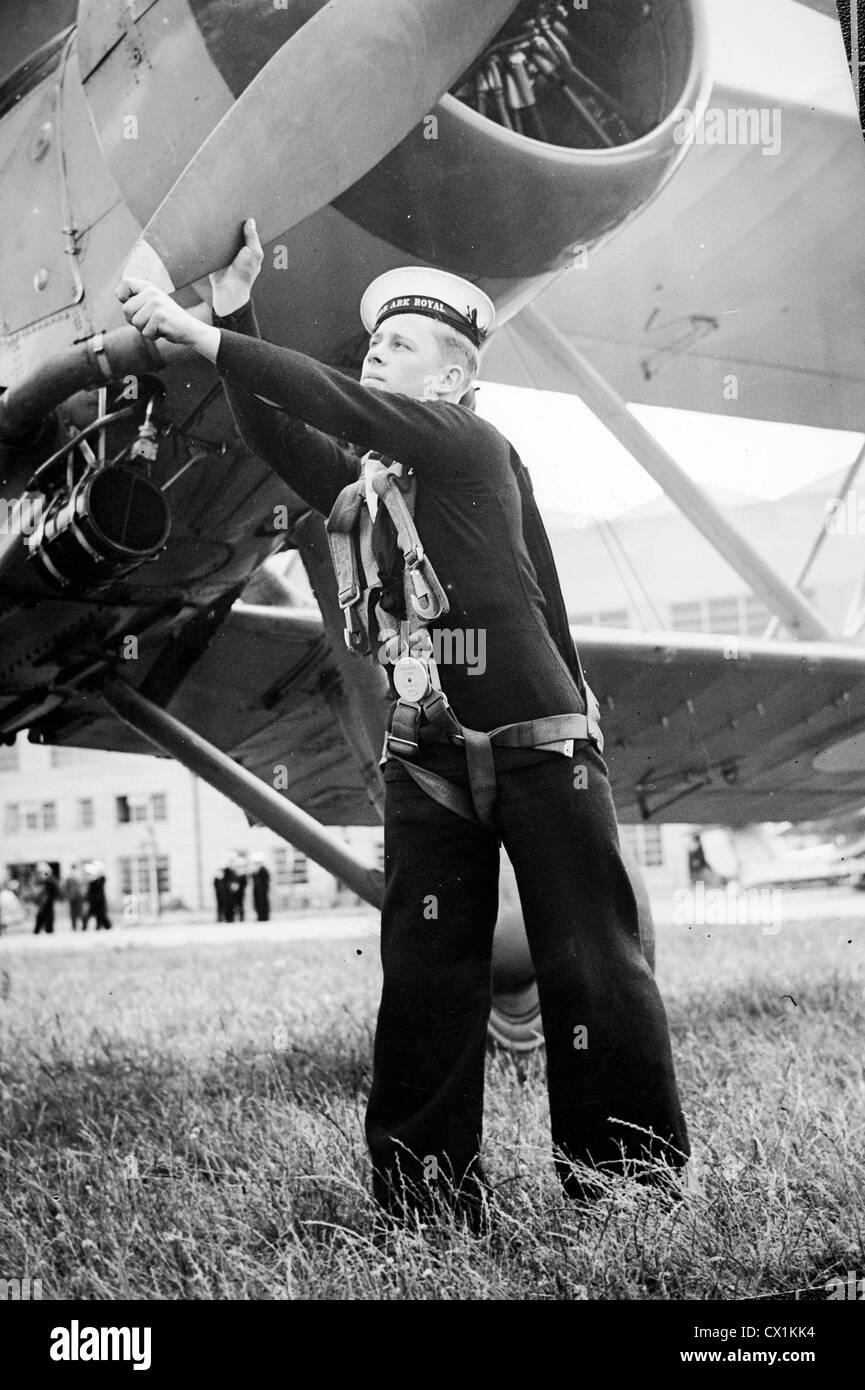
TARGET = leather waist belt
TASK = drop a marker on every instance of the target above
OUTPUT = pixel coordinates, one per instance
(414, 724)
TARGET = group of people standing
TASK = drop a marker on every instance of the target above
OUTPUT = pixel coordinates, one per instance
(230, 886)
(83, 890)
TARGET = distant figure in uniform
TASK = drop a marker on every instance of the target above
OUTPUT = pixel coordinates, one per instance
(96, 905)
(476, 754)
(74, 893)
(261, 888)
(220, 888)
(229, 896)
(697, 864)
(237, 885)
(46, 894)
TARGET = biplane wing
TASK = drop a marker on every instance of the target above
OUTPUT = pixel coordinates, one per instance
(740, 290)
(265, 690)
(714, 730)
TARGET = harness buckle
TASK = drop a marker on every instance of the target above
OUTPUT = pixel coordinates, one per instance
(401, 738)
(400, 747)
(426, 602)
(348, 597)
(353, 634)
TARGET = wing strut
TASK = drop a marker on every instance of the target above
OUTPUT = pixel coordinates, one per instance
(245, 790)
(611, 409)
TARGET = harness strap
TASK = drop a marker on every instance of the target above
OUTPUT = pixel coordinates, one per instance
(555, 733)
(549, 732)
(349, 531)
(343, 549)
(425, 596)
(482, 774)
(440, 789)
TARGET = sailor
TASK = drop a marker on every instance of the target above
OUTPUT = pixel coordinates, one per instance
(478, 753)
(74, 893)
(96, 904)
(260, 887)
(47, 892)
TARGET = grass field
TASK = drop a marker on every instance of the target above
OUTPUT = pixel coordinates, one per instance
(187, 1124)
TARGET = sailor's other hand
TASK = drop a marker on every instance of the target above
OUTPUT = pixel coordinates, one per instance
(154, 313)
(233, 284)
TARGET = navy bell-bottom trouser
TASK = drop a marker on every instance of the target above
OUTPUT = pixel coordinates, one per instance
(612, 1089)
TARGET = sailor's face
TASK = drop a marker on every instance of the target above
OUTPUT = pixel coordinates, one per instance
(404, 356)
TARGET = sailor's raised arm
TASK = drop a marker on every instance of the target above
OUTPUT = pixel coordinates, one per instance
(410, 430)
(407, 425)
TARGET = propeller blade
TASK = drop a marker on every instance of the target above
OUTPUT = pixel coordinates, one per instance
(326, 108)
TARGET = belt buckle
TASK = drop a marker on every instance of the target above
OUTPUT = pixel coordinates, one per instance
(400, 747)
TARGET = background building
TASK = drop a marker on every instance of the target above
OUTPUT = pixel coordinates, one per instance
(153, 824)
(650, 568)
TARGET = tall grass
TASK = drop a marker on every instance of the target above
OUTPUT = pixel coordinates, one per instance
(188, 1125)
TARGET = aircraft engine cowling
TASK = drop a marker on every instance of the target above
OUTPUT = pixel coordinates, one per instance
(598, 95)
(560, 131)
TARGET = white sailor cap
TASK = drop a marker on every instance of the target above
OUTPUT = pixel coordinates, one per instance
(417, 289)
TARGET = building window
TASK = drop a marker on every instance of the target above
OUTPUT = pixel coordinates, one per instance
(610, 617)
(736, 614)
(136, 875)
(653, 846)
(686, 617)
(138, 809)
(32, 815)
(299, 869)
(757, 616)
(281, 871)
(124, 867)
(85, 813)
(163, 873)
(645, 843)
(724, 615)
(66, 757)
(8, 757)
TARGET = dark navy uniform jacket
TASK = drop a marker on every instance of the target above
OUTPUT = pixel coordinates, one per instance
(468, 510)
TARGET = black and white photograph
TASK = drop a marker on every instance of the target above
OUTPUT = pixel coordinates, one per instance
(432, 666)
